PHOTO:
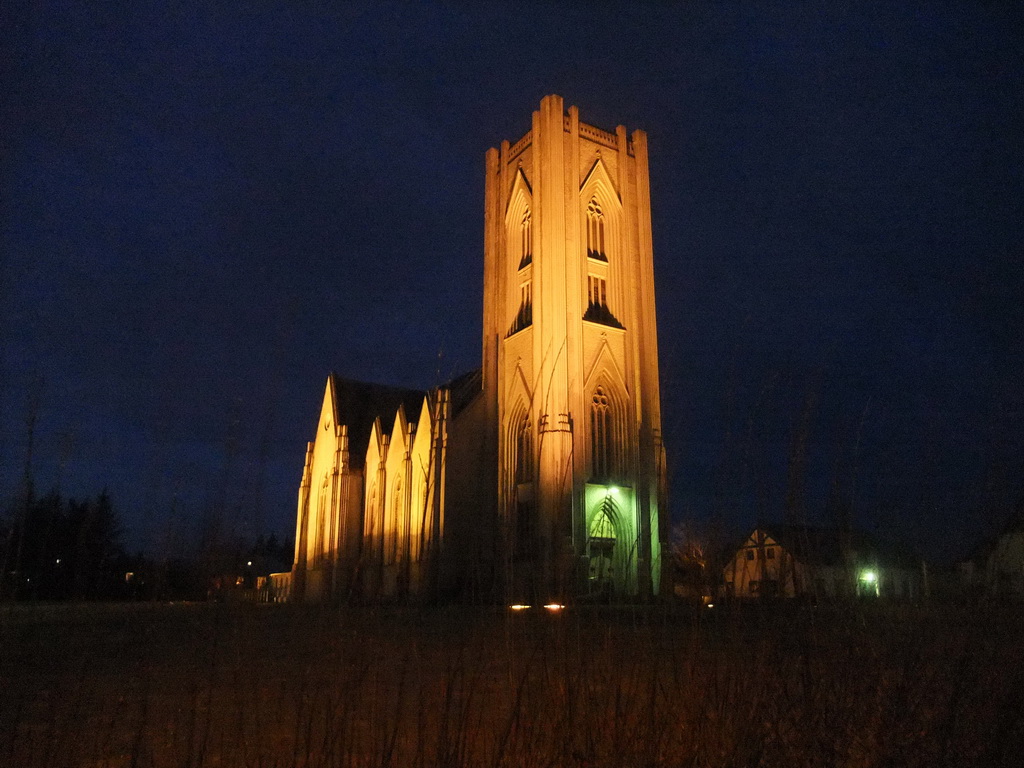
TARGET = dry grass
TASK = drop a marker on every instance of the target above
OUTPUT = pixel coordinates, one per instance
(243, 685)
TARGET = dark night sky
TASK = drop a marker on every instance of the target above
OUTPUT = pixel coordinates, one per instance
(206, 210)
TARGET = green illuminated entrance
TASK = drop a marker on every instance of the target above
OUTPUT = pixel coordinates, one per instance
(601, 549)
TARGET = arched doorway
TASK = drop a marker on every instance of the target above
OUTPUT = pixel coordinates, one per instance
(601, 542)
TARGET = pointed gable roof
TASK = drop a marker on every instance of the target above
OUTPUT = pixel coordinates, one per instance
(465, 389)
(360, 403)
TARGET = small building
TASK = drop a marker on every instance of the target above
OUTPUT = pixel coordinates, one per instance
(1004, 566)
(800, 561)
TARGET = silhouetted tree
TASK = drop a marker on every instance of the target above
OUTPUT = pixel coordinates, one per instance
(66, 550)
(97, 535)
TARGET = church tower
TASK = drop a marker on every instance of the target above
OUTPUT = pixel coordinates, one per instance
(570, 362)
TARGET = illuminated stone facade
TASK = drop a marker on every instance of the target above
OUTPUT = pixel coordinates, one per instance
(570, 370)
(379, 515)
(541, 477)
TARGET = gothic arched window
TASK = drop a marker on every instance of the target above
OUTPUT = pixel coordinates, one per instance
(372, 518)
(595, 231)
(525, 240)
(524, 450)
(598, 309)
(601, 438)
(597, 292)
(597, 302)
(601, 550)
(521, 465)
(602, 527)
(524, 317)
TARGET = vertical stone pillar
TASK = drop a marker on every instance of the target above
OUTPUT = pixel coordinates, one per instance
(555, 473)
(653, 483)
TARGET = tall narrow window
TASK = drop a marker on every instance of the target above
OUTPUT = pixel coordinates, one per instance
(524, 316)
(525, 240)
(597, 303)
(598, 310)
(595, 231)
(524, 450)
(600, 436)
(597, 287)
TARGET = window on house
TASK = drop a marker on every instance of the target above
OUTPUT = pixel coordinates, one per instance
(750, 554)
(770, 553)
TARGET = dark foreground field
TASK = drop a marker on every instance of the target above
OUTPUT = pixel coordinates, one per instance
(246, 685)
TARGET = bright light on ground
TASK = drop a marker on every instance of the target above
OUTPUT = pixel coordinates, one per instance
(554, 606)
(518, 607)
